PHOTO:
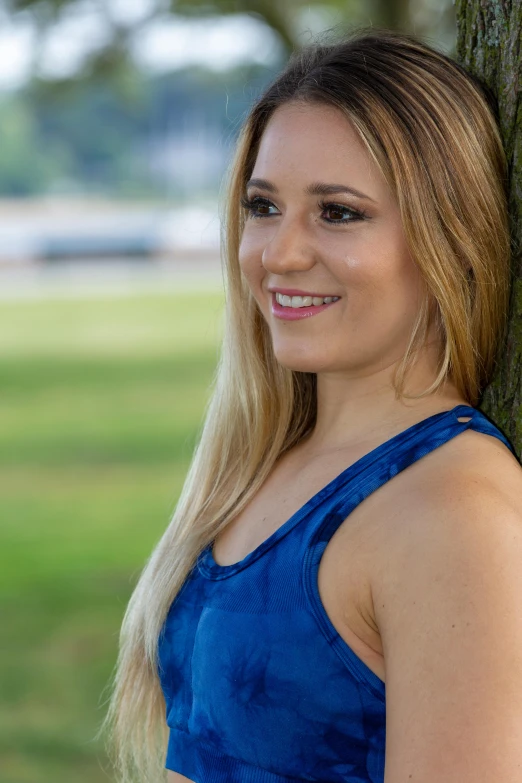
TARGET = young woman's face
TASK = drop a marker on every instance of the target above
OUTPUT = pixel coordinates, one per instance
(306, 233)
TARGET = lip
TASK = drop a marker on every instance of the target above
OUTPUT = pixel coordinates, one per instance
(297, 313)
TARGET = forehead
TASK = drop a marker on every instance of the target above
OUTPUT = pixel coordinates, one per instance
(315, 142)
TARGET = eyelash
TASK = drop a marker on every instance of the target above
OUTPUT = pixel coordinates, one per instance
(251, 204)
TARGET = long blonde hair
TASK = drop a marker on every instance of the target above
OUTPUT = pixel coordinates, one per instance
(432, 130)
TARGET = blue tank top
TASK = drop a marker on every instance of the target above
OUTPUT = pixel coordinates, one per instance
(259, 686)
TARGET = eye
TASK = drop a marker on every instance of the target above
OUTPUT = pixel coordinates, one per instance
(258, 207)
(338, 213)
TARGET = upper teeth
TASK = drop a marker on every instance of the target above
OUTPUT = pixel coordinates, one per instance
(304, 301)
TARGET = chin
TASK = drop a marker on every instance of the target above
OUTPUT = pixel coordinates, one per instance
(300, 362)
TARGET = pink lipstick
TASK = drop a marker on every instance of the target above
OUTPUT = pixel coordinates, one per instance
(297, 313)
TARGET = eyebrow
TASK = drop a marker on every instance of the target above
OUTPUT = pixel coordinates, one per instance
(315, 189)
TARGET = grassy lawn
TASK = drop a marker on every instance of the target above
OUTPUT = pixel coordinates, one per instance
(100, 404)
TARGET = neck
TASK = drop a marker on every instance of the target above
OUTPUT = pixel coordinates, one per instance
(353, 409)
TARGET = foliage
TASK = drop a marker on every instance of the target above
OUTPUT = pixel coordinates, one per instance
(93, 134)
(285, 19)
(281, 17)
(25, 164)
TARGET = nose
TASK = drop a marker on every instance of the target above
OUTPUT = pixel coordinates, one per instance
(289, 248)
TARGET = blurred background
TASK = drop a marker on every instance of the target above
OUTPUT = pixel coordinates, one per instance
(118, 119)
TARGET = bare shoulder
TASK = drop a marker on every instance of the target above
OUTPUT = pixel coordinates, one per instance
(471, 487)
(450, 485)
(467, 472)
(447, 604)
(469, 457)
(477, 481)
(474, 454)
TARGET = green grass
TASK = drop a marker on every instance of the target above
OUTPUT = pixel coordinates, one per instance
(100, 404)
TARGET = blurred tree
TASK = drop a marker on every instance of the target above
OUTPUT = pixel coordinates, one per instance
(282, 17)
(88, 137)
(25, 166)
(489, 34)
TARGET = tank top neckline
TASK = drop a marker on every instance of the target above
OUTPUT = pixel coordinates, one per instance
(213, 570)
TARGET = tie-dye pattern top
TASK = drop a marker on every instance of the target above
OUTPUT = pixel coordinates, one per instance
(259, 686)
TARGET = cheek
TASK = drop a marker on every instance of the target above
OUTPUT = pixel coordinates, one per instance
(250, 255)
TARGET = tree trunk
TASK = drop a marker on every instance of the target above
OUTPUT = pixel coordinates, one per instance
(489, 45)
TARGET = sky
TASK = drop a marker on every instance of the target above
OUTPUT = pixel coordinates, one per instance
(162, 44)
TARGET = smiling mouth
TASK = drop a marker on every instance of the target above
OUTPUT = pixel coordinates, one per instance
(296, 302)
(303, 310)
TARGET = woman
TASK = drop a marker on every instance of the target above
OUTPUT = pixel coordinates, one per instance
(340, 585)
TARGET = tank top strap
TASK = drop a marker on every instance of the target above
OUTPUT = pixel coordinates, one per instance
(481, 423)
(408, 447)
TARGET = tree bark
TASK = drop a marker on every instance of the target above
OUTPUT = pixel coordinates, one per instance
(489, 45)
